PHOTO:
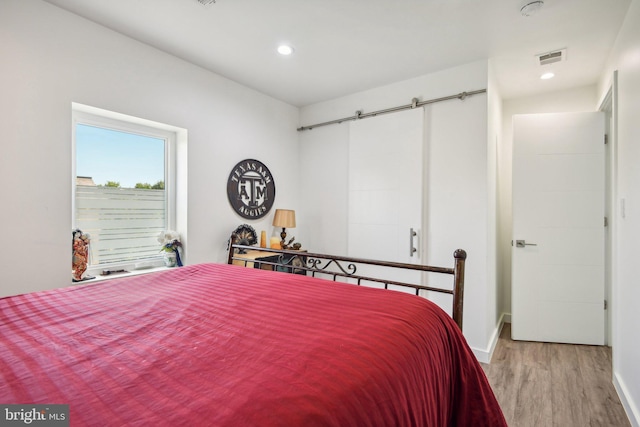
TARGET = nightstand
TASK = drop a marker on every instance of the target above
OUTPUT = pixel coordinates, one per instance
(257, 259)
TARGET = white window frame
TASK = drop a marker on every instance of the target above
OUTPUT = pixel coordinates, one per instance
(92, 116)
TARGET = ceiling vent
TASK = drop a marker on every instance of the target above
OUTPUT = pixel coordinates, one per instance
(552, 57)
(206, 2)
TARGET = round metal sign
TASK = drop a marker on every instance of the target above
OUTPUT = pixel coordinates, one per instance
(251, 189)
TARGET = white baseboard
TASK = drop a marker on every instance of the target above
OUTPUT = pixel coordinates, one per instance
(484, 355)
(629, 406)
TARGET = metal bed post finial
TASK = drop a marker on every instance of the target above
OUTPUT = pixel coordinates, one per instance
(458, 288)
(232, 241)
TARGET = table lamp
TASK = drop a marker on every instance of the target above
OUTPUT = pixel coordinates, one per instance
(285, 218)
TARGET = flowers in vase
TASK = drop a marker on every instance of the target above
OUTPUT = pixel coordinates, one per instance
(170, 241)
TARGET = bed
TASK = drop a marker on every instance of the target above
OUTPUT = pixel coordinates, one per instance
(225, 345)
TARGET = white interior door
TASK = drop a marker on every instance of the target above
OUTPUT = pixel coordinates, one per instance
(558, 214)
(386, 186)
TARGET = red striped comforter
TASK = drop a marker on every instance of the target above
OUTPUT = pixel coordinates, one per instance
(222, 345)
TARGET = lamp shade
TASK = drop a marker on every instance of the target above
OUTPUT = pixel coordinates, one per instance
(285, 218)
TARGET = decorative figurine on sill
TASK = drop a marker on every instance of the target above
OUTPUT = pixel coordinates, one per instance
(80, 257)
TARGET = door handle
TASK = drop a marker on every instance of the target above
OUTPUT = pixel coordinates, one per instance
(522, 244)
(412, 249)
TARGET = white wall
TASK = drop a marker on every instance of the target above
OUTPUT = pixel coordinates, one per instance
(51, 58)
(459, 208)
(626, 291)
(494, 139)
(582, 99)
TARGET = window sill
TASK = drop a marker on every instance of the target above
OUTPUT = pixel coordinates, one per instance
(101, 278)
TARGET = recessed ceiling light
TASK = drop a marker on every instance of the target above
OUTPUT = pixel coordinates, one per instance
(284, 49)
(531, 7)
(547, 76)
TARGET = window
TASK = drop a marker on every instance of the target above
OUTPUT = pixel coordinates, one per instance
(124, 186)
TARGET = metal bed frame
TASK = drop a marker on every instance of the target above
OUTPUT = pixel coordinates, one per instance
(334, 266)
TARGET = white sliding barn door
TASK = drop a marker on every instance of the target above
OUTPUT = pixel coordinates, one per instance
(558, 228)
(386, 186)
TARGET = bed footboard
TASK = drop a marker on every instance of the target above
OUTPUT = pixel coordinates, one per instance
(333, 267)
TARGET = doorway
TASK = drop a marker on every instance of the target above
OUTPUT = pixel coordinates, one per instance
(608, 107)
(558, 213)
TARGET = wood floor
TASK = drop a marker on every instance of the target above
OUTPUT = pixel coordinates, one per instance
(543, 384)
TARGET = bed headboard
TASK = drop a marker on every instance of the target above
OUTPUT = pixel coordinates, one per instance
(334, 266)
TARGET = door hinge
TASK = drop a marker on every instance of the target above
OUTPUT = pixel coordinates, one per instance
(605, 304)
(606, 221)
(606, 139)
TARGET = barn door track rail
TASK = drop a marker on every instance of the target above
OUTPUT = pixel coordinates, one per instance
(415, 103)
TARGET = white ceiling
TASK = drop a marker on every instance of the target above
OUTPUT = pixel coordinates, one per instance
(345, 46)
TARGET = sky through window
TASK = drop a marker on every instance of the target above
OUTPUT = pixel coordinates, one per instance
(111, 155)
